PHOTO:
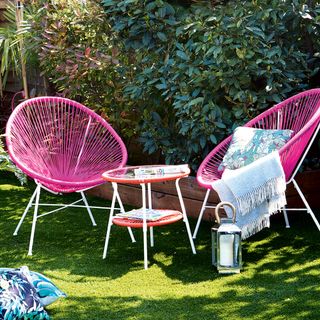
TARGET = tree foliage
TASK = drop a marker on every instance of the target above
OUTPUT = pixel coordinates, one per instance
(179, 77)
(202, 71)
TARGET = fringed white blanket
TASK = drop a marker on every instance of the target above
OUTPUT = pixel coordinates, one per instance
(256, 190)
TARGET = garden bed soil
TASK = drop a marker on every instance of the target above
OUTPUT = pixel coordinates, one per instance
(164, 194)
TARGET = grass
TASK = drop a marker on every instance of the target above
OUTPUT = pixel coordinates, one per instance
(279, 280)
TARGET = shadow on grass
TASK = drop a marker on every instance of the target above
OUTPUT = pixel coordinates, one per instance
(272, 302)
(279, 279)
(68, 240)
(70, 233)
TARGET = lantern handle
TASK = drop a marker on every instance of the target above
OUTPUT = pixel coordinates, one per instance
(225, 203)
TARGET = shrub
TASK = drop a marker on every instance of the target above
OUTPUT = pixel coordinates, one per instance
(73, 41)
(201, 72)
(180, 77)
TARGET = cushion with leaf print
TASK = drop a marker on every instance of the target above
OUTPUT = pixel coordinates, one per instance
(47, 291)
(249, 144)
(19, 298)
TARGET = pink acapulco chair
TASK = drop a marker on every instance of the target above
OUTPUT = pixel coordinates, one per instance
(300, 113)
(65, 147)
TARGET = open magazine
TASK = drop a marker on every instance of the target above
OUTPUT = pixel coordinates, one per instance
(151, 214)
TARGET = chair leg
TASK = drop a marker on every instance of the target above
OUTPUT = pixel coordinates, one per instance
(34, 221)
(285, 215)
(203, 208)
(25, 212)
(84, 199)
(185, 218)
(309, 210)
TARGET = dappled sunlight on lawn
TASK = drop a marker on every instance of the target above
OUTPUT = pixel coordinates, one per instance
(279, 279)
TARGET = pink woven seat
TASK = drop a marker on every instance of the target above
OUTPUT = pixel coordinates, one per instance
(300, 113)
(63, 145)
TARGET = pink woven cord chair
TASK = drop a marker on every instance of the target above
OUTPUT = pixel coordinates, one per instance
(300, 113)
(64, 146)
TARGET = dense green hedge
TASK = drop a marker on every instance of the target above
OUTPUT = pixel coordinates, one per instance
(179, 78)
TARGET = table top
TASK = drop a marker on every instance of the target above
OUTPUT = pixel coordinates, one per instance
(146, 173)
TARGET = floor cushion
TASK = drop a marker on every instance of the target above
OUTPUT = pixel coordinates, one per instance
(19, 298)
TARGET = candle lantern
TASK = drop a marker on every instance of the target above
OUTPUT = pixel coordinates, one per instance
(226, 241)
(214, 231)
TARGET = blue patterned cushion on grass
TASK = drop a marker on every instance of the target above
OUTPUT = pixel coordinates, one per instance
(19, 299)
(250, 144)
(47, 291)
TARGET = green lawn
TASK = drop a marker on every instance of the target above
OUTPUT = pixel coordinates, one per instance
(279, 280)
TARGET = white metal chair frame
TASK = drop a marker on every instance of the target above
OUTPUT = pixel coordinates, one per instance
(35, 201)
(284, 210)
(65, 147)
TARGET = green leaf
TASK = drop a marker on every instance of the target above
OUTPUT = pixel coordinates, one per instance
(213, 139)
(146, 39)
(182, 55)
(202, 142)
(169, 9)
(196, 101)
(257, 31)
(161, 86)
(240, 53)
(162, 36)
(220, 125)
(238, 113)
(195, 92)
(151, 6)
(156, 117)
(162, 12)
(179, 46)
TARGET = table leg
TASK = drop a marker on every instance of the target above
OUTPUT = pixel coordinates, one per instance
(150, 207)
(114, 196)
(123, 211)
(145, 229)
(185, 218)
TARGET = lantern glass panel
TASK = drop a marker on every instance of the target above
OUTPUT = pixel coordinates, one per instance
(214, 233)
(229, 257)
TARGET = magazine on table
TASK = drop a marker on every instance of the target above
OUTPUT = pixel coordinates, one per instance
(160, 170)
(151, 214)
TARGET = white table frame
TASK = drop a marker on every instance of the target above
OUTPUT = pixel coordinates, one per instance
(146, 195)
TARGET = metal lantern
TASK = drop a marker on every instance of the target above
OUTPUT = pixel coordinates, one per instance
(226, 242)
(214, 231)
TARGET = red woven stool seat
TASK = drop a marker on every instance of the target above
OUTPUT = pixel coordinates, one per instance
(138, 223)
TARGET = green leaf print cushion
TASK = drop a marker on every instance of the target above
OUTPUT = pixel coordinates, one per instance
(250, 144)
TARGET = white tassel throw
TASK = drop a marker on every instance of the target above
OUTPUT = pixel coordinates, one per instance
(256, 190)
